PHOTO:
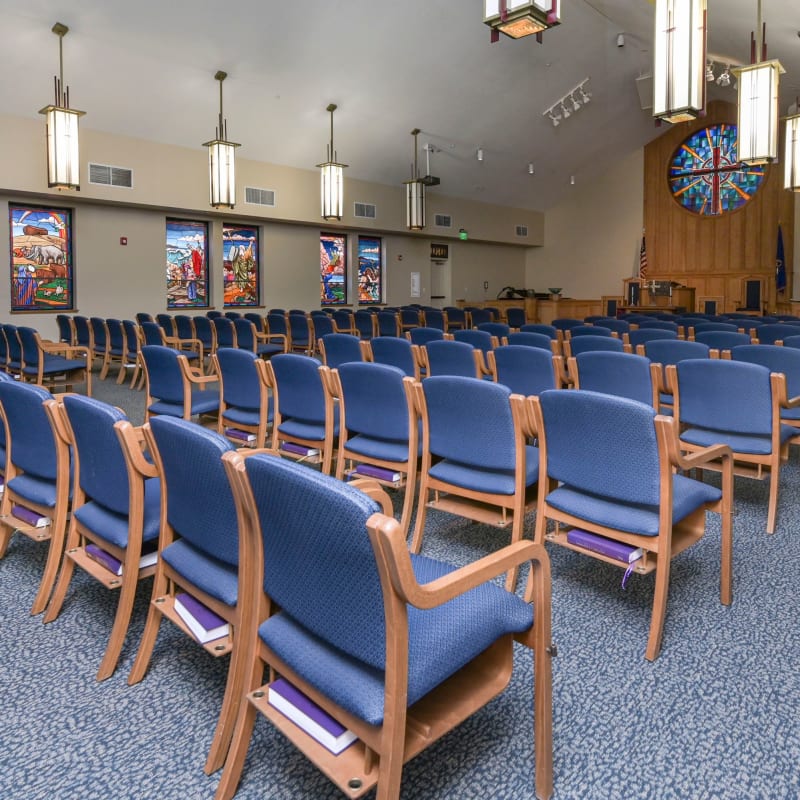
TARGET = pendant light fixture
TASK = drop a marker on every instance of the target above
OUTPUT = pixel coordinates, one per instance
(331, 180)
(758, 102)
(679, 71)
(221, 159)
(63, 162)
(792, 151)
(415, 194)
(518, 18)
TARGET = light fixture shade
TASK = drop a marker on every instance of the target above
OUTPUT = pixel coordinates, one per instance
(63, 163)
(517, 18)
(792, 154)
(331, 186)
(679, 65)
(415, 205)
(222, 173)
(758, 111)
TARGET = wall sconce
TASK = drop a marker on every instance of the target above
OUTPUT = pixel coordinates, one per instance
(221, 159)
(479, 154)
(567, 105)
(792, 152)
(517, 19)
(531, 170)
(415, 194)
(331, 180)
(679, 88)
(63, 160)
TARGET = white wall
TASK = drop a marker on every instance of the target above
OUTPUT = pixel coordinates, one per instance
(592, 240)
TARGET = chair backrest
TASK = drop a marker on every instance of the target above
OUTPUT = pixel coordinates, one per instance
(516, 317)
(642, 335)
(394, 351)
(232, 315)
(777, 359)
(204, 331)
(481, 434)
(29, 346)
(116, 334)
(601, 444)
(143, 316)
(388, 323)
(525, 370)
(153, 333)
(164, 376)
(33, 446)
(480, 340)
(323, 324)
(339, 348)
(434, 318)
(374, 400)
(213, 314)
(791, 341)
(588, 330)
(83, 333)
(451, 358)
(480, 316)
(409, 317)
(276, 322)
(421, 336)
(530, 339)
(256, 319)
(658, 323)
(365, 324)
(776, 331)
(300, 328)
(299, 388)
(566, 323)
(701, 327)
(722, 340)
(323, 576)
(617, 325)
(245, 334)
(102, 471)
(167, 323)
(131, 329)
(65, 329)
(200, 505)
(619, 374)
(184, 327)
(98, 326)
(498, 329)
(706, 388)
(537, 327)
(671, 351)
(239, 380)
(226, 331)
(586, 344)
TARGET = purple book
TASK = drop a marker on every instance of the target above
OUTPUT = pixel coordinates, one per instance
(106, 559)
(299, 449)
(204, 624)
(29, 517)
(625, 553)
(381, 473)
(244, 436)
(305, 713)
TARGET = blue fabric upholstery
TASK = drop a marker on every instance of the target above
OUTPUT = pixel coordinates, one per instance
(301, 396)
(203, 330)
(705, 327)
(299, 330)
(199, 501)
(784, 359)
(620, 374)
(660, 324)
(241, 386)
(498, 329)
(434, 319)
(34, 450)
(320, 570)
(618, 325)
(738, 442)
(480, 340)
(53, 364)
(421, 336)
(547, 330)
(388, 323)
(394, 351)
(771, 333)
(374, 400)
(722, 340)
(525, 370)
(209, 574)
(643, 335)
(587, 343)
(530, 339)
(226, 331)
(364, 322)
(451, 358)
(166, 383)
(339, 348)
(588, 330)
(323, 324)
(479, 316)
(153, 333)
(566, 323)
(30, 487)
(480, 479)
(516, 317)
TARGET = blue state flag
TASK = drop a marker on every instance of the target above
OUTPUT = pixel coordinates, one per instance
(780, 264)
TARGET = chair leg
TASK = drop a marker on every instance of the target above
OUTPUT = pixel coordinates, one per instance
(149, 636)
(543, 721)
(772, 512)
(105, 366)
(60, 592)
(54, 554)
(127, 596)
(422, 511)
(659, 607)
(408, 502)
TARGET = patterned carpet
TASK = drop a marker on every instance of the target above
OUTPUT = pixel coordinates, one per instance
(715, 717)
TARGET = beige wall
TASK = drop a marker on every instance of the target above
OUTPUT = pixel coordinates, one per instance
(592, 240)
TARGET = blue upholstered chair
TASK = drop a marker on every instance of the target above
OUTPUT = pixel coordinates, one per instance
(394, 351)
(278, 330)
(409, 318)
(586, 330)
(479, 453)
(37, 477)
(199, 551)
(184, 327)
(619, 374)
(435, 318)
(497, 329)
(479, 316)
(100, 343)
(606, 469)
(564, 324)
(792, 341)
(388, 323)
(66, 329)
(775, 332)
(305, 416)
(422, 335)
(451, 358)
(53, 364)
(206, 333)
(342, 611)
(722, 340)
(586, 344)
(525, 370)
(232, 315)
(83, 334)
(666, 352)
(482, 341)
(133, 345)
(365, 324)
(245, 404)
(224, 332)
(659, 324)
(531, 339)
(739, 405)
(705, 327)
(338, 348)
(538, 327)
(116, 500)
(117, 347)
(248, 338)
(257, 319)
(323, 325)
(343, 322)
(13, 364)
(618, 326)
(167, 324)
(153, 335)
(378, 427)
(516, 317)
(143, 316)
(301, 331)
(639, 336)
(210, 314)
(173, 387)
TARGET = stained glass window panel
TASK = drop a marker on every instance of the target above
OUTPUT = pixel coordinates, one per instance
(370, 270)
(187, 264)
(240, 255)
(333, 269)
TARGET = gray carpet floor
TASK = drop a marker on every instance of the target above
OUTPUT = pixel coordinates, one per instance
(714, 718)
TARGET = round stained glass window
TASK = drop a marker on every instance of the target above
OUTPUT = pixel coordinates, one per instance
(706, 176)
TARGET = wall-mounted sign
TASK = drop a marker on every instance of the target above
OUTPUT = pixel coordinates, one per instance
(440, 250)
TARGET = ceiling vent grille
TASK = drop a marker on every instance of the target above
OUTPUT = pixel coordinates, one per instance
(522, 230)
(105, 175)
(259, 197)
(443, 221)
(365, 210)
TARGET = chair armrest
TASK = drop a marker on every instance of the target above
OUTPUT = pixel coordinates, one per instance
(373, 489)
(693, 460)
(67, 350)
(195, 376)
(134, 445)
(387, 536)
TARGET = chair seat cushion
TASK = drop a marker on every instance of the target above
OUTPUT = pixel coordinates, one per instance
(385, 449)
(304, 429)
(267, 349)
(441, 641)
(214, 577)
(202, 403)
(113, 527)
(738, 442)
(55, 365)
(471, 477)
(687, 496)
(36, 490)
(243, 416)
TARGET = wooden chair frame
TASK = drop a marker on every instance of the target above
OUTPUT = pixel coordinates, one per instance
(76, 352)
(655, 379)
(192, 376)
(260, 430)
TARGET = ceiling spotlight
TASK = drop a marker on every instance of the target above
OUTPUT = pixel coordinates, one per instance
(530, 168)
(556, 119)
(710, 71)
(586, 96)
(565, 112)
(725, 77)
(479, 154)
(575, 104)
(571, 180)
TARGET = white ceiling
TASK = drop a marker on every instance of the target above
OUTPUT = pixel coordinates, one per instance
(146, 69)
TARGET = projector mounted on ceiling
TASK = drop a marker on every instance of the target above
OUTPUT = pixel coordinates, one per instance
(428, 179)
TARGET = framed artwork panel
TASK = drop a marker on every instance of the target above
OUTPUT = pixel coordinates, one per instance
(42, 269)
(187, 264)
(241, 265)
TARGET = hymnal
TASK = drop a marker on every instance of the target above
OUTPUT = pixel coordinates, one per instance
(204, 624)
(381, 473)
(602, 544)
(243, 436)
(306, 714)
(32, 518)
(114, 564)
(299, 449)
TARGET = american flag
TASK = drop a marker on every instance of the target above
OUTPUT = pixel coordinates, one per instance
(643, 261)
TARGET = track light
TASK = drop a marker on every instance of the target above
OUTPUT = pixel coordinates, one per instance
(725, 77)
(571, 102)
(575, 104)
(586, 96)
(709, 71)
(565, 112)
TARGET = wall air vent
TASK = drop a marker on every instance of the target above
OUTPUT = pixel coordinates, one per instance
(364, 210)
(259, 197)
(522, 230)
(105, 175)
(443, 221)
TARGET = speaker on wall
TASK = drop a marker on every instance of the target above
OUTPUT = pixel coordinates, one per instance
(644, 85)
